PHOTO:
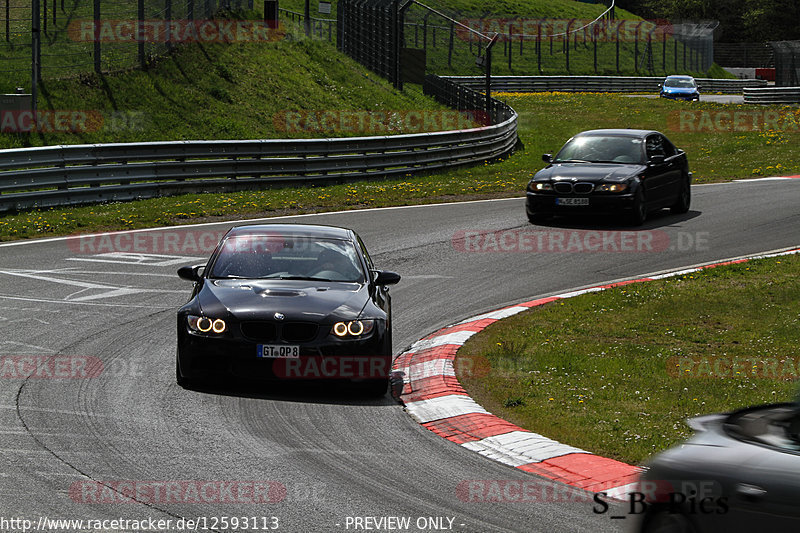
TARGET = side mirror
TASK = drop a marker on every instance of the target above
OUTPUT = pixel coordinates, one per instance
(657, 159)
(660, 85)
(385, 277)
(547, 158)
(190, 273)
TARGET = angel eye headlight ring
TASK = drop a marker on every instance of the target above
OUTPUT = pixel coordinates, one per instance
(340, 329)
(207, 325)
(204, 324)
(353, 328)
(218, 326)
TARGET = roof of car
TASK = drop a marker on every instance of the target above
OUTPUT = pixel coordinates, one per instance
(680, 76)
(618, 132)
(302, 230)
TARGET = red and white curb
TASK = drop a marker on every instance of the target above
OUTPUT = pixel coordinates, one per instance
(433, 396)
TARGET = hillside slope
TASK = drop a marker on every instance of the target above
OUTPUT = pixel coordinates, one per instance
(218, 91)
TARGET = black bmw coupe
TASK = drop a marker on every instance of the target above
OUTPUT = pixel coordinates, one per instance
(612, 171)
(287, 302)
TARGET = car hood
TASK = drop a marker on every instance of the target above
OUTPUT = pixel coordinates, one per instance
(680, 90)
(589, 171)
(296, 300)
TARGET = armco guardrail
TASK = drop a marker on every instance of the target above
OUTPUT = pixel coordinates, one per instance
(78, 174)
(599, 84)
(772, 95)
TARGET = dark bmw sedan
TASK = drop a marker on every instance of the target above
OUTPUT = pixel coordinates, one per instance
(740, 472)
(287, 302)
(612, 171)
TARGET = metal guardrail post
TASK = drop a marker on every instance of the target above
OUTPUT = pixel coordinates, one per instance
(96, 37)
(140, 32)
(36, 55)
(307, 19)
(168, 21)
(488, 87)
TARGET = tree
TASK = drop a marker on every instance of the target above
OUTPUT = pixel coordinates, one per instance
(739, 20)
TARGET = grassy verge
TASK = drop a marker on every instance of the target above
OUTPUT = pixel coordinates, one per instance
(715, 154)
(546, 121)
(219, 91)
(599, 371)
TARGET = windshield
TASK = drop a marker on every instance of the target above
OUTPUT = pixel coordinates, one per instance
(598, 149)
(287, 257)
(679, 83)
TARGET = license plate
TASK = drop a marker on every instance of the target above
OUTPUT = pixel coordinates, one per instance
(278, 351)
(572, 201)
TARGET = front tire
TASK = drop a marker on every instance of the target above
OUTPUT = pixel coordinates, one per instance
(374, 388)
(179, 378)
(639, 214)
(665, 522)
(684, 200)
(537, 218)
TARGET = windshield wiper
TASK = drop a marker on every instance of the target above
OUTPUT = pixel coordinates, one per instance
(571, 161)
(302, 278)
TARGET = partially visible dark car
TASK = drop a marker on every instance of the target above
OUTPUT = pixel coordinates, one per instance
(612, 171)
(287, 302)
(740, 472)
(679, 87)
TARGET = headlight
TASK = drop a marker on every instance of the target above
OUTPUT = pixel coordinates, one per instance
(206, 325)
(612, 187)
(355, 328)
(540, 186)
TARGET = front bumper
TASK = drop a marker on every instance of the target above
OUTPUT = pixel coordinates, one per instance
(685, 97)
(201, 357)
(537, 203)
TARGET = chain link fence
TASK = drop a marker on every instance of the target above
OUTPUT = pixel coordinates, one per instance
(44, 39)
(451, 43)
(787, 63)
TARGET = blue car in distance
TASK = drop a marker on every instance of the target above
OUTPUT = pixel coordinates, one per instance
(680, 88)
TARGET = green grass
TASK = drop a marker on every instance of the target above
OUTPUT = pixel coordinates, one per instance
(526, 8)
(546, 121)
(220, 91)
(65, 56)
(598, 371)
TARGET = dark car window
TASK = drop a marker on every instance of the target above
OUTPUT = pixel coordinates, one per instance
(604, 149)
(364, 252)
(655, 146)
(669, 148)
(281, 257)
(680, 83)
